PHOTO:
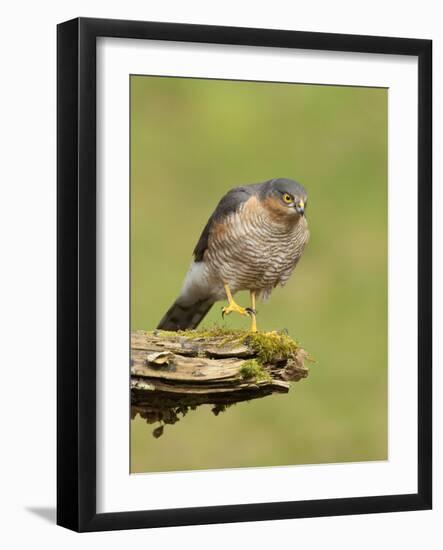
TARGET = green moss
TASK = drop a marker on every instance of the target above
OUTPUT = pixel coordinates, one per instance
(252, 369)
(271, 346)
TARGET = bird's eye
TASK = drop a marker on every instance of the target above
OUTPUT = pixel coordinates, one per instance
(288, 198)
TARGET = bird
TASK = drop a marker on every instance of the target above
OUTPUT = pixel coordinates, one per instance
(252, 241)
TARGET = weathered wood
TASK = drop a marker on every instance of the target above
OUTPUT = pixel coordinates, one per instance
(174, 372)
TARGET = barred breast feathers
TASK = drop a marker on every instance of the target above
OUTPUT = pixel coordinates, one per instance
(250, 249)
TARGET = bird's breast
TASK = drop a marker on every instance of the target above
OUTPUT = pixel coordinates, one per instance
(251, 250)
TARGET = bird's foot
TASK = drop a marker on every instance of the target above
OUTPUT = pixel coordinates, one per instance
(233, 307)
(244, 311)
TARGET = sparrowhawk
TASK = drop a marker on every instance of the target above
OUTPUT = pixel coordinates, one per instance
(252, 241)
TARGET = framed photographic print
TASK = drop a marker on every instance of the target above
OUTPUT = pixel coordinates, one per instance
(244, 274)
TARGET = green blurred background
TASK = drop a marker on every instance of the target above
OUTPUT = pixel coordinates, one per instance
(191, 141)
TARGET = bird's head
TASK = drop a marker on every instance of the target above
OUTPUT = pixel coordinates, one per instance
(284, 198)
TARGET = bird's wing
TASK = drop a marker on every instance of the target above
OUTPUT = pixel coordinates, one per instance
(227, 205)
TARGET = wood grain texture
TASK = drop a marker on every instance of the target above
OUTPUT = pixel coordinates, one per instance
(172, 373)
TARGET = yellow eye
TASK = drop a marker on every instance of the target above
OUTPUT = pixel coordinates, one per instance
(287, 198)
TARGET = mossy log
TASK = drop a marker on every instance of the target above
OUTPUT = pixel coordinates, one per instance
(172, 372)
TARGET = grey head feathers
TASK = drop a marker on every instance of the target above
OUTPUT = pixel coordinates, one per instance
(283, 185)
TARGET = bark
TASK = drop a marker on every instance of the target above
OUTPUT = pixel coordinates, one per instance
(172, 373)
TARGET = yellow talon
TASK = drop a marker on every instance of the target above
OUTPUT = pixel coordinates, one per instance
(232, 306)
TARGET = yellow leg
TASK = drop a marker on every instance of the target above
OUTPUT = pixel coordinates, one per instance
(232, 306)
(253, 313)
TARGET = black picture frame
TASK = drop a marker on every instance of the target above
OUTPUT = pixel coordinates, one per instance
(76, 266)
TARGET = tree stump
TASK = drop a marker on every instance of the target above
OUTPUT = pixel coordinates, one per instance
(173, 372)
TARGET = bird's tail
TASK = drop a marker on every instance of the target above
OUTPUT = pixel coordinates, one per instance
(182, 317)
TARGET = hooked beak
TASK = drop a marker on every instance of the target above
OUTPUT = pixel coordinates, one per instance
(300, 207)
